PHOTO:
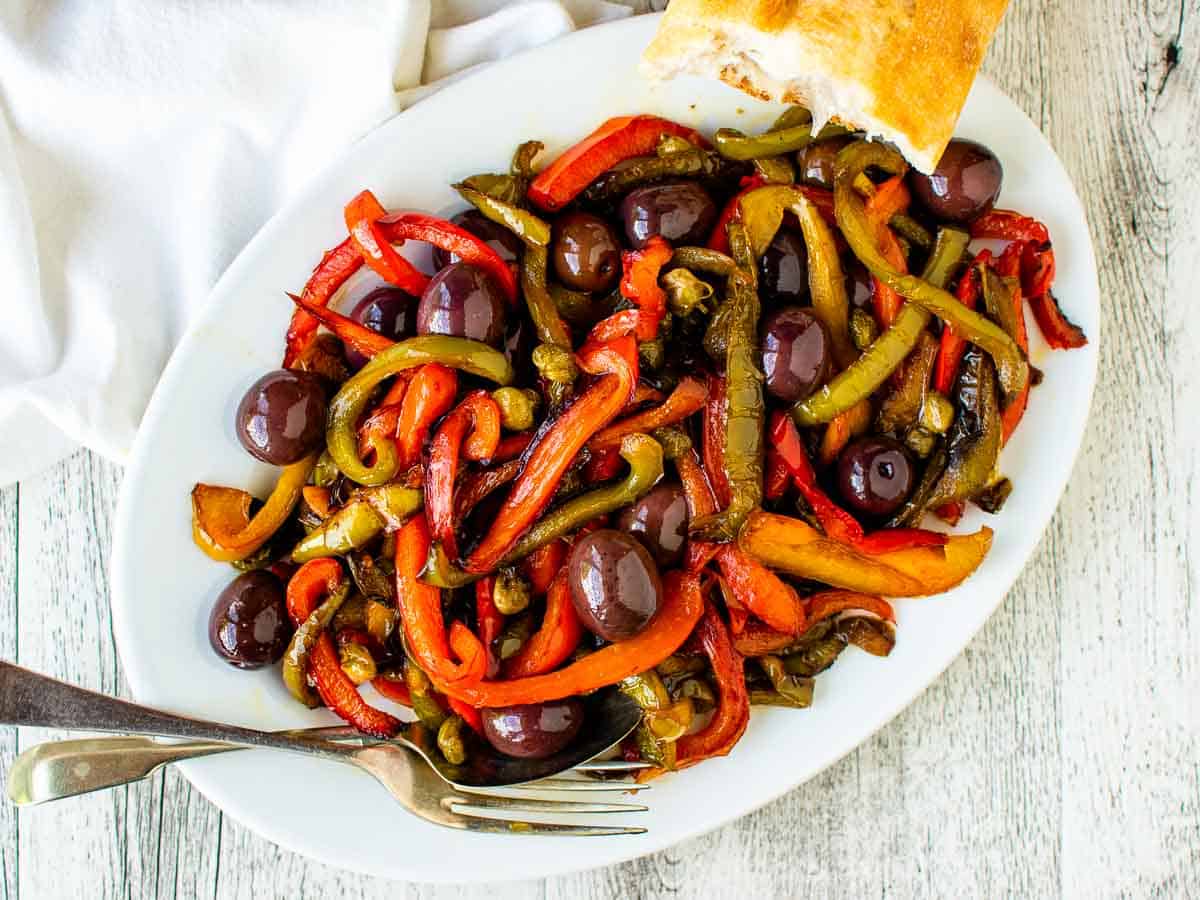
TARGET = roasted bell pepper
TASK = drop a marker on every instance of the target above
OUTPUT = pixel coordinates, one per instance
(645, 458)
(776, 477)
(901, 406)
(348, 404)
(471, 430)
(557, 447)
(856, 227)
(490, 622)
(688, 397)
(393, 689)
(680, 611)
(684, 161)
(543, 564)
(458, 241)
(512, 446)
(793, 546)
(890, 539)
(552, 644)
(420, 608)
(847, 424)
(761, 591)
(362, 220)
(543, 311)
(952, 346)
(477, 485)
(712, 445)
(733, 705)
(829, 603)
(888, 352)
(313, 580)
(698, 494)
(1004, 302)
(732, 144)
(314, 595)
(703, 259)
(618, 325)
(1006, 225)
(353, 334)
(221, 523)
(521, 222)
(639, 284)
(366, 515)
(889, 198)
(1059, 331)
(429, 396)
(615, 140)
(759, 639)
(719, 240)
(334, 269)
(837, 523)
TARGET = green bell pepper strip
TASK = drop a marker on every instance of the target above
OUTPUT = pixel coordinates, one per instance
(889, 350)
(295, 658)
(744, 397)
(911, 230)
(645, 458)
(701, 259)
(732, 144)
(689, 163)
(854, 160)
(547, 322)
(358, 522)
(351, 400)
(529, 228)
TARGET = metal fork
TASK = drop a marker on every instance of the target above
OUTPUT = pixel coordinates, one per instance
(27, 698)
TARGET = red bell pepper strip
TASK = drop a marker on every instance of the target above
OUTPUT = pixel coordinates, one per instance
(719, 239)
(471, 429)
(1037, 269)
(639, 283)
(353, 334)
(603, 465)
(760, 639)
(556, 449)
(393, 689)
(512, 446)
(383, 422)
(543, 565)
(468, 713)
(680, 611)
(334, 269)
(489, 620)
(420, 608)
(615, 140)
(830, 603)
(688, 397)
(362, 219)
(890, 539)
(952, 348)
(1009, 266)
(835, 521)
(430, 395)
(312, 581)
(477, 485)
(1059, 331)
(761, 591)
(457, 241)
(1007, 225)
(698, 495)
(776, 477)
(889, 198)
(951, 512)
(716, 410)
(733, 704)
(552, 644)
(618, 325)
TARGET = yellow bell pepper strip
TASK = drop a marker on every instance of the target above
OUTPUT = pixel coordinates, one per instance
(857, 229)
(221, 523)
(744, 398)
(348, 404)
(681, 609)
(791, 545)
(555, 450)
(887, 353)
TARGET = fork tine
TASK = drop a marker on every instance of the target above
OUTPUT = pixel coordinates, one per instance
(476, 803)
(611, 765)
(579, 784)
(500, 826)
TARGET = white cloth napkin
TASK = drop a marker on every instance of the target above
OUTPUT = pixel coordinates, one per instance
(143, 143)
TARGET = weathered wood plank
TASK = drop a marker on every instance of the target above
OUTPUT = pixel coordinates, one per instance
(10, 499)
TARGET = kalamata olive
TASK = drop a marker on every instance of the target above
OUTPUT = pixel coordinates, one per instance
(249, 626)
(680, 211)
(614, 584)
(783, 269)
(387, 310)
(858, 284)
(495, 235)
(795, 353)
(586, 252)
(874, 475)
(464, 301)
(816, 161)
(533, 730)
(281, 419)
(964, 185)
(659, 520)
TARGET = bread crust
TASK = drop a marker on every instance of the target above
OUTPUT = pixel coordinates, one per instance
(898, 68)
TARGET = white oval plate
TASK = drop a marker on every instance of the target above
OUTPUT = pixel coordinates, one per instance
(163, 586)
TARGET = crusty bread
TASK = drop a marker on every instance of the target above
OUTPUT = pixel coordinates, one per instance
(898, 69)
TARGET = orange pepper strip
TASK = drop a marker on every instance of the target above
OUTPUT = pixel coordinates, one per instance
(351, 333)
(393, 689)
(841, 428)
(698, 495)
(681, 609)
(312, 581)
(554, 453)
(471, 429)
(688, 397)
(543, 565)
(430, 395)
(470, 714)
(639, 283)
(716, 410)
(830, 603)
(761, 591)
(489, 620)
(760, 639)
(221, 523)
(420, 608)
(362, 216)
(552, 644)
(381, 424)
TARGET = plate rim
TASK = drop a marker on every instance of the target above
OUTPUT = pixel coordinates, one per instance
(247, 257)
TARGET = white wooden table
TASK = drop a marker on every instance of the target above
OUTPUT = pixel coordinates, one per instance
(1060, 755)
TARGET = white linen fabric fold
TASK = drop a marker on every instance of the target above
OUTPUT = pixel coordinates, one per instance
(143, 143)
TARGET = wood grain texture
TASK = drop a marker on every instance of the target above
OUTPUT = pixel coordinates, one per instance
(1056, 757)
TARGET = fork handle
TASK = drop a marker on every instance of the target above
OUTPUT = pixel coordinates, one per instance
(27, 698)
